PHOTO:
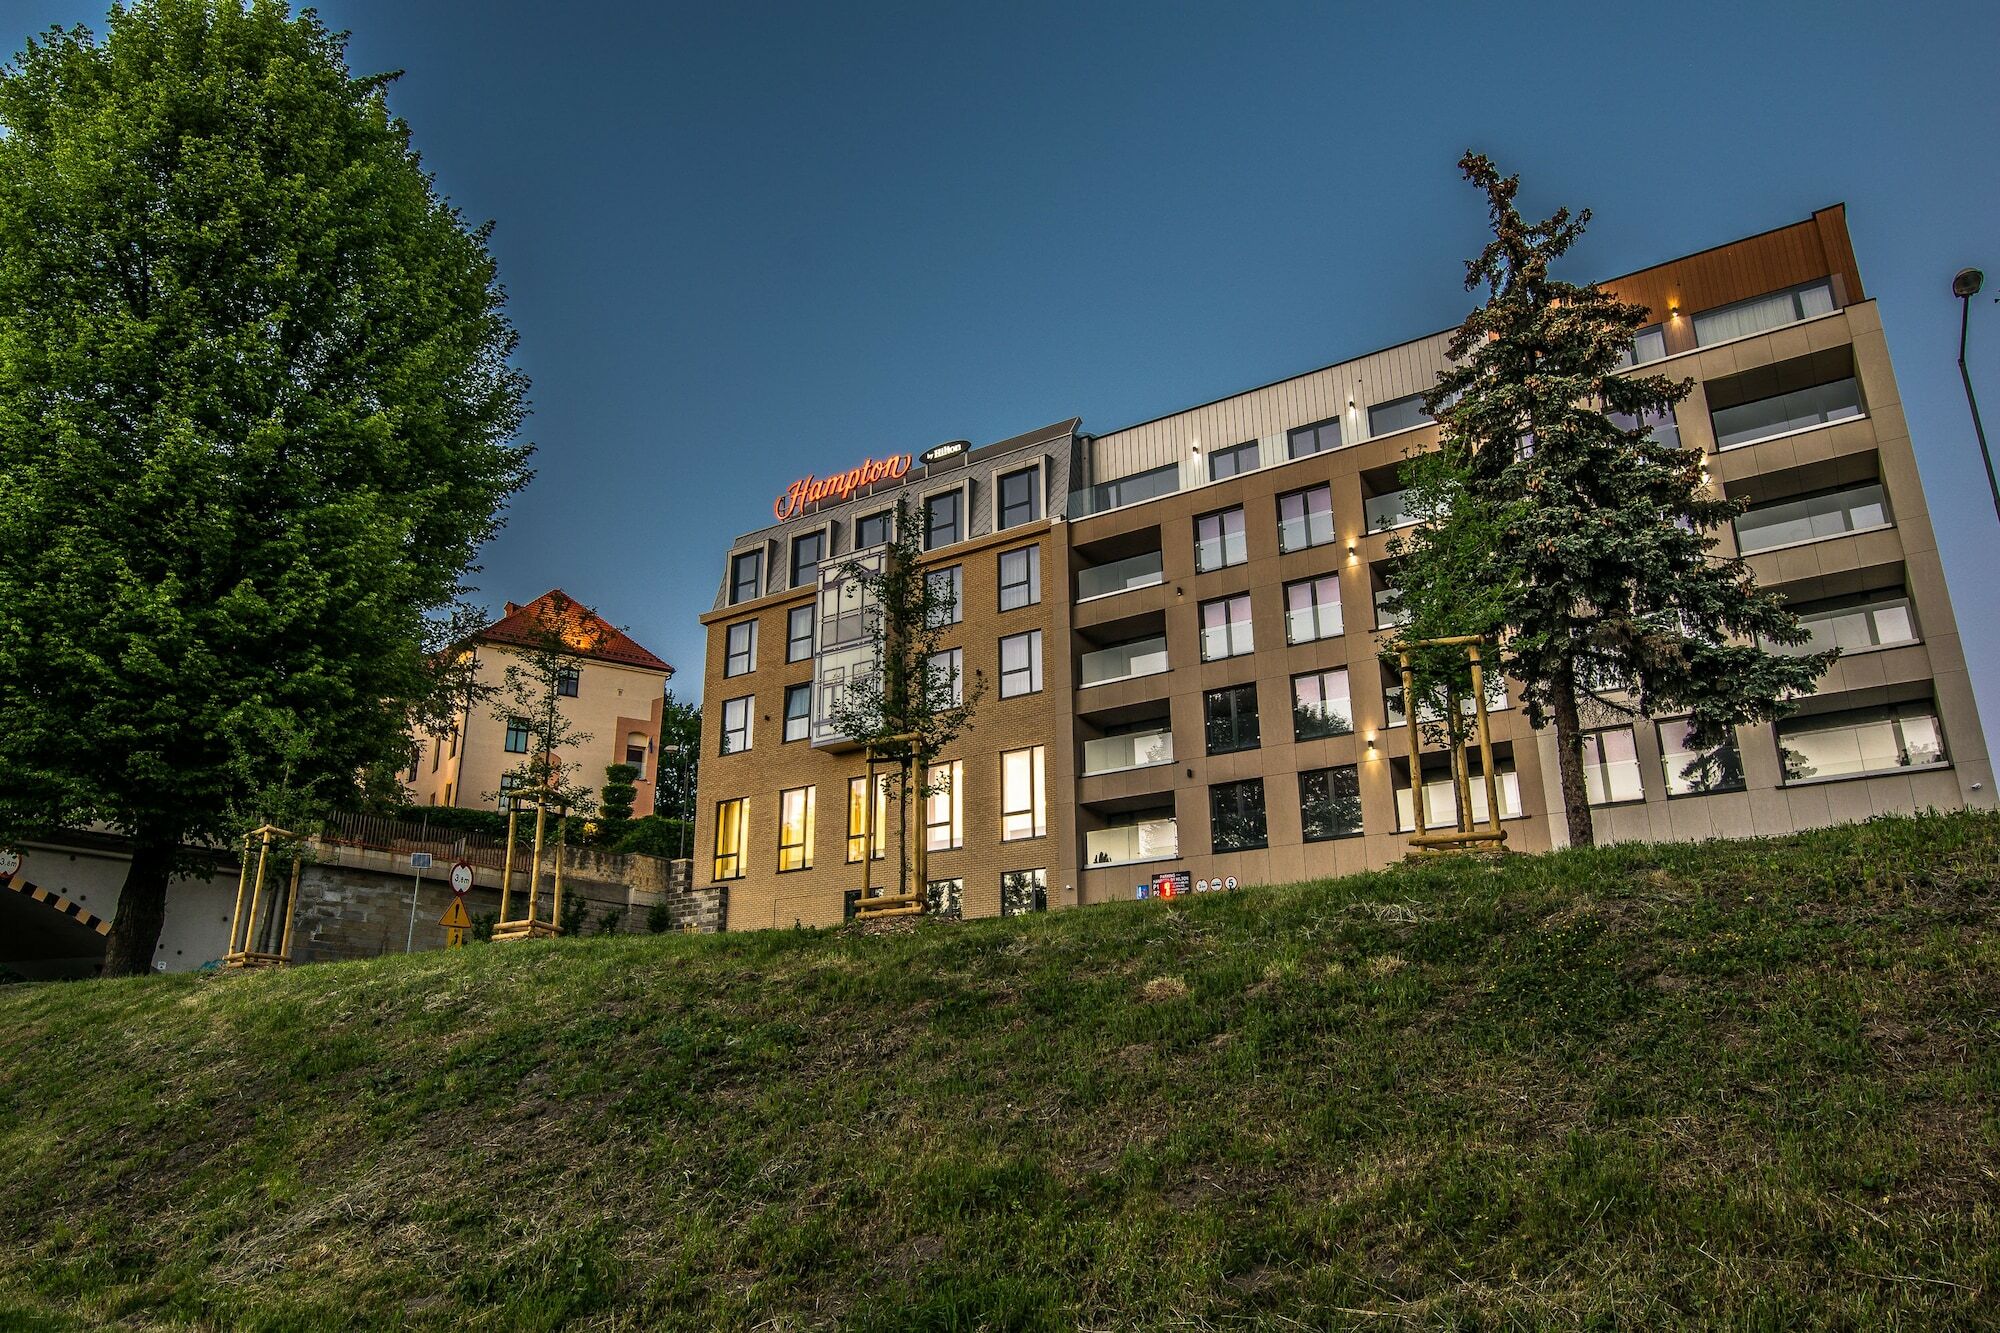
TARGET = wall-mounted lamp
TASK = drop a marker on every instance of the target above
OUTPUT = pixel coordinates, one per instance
(1371, 746)
(1673, 310)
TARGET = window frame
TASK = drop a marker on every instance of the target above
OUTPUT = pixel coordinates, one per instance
(1238, 786)
(822, 534)
(1328, 772)
(802, 690)
(954, 575)
(810, 611)
(1036, 504)
(738, 856)
(731, 652)
(1235, 453)
(1037, 891)
(1036, 811)
(958, 523)
(1228, 627)
(796, 856)
(945, 809)
(876, 821)
(1316, 608)
(1592, 741)
(1033, 668)
(1305, 519)
(1319, 675)
(1236, 715)
(569, 682)
(1242, 535)
(1031, 580)
(748, 703)
(737, 596)
(1316, 430)
(888, 521)
(514, 725)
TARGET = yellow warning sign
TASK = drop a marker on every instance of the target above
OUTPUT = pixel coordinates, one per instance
(454, 917)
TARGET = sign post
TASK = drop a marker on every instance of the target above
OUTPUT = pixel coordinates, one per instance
(419, 862)
(455, 922)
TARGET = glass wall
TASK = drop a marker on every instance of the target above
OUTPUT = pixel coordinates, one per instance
(1136, 838)
(1809, 517)
(1611, 766)
(1141, 657)
(1861, 740)
(1135, 749)
(1853, 624)
(1135, 571)
(1762, 418)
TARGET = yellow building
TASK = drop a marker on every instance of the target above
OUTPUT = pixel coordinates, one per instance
(614, 696)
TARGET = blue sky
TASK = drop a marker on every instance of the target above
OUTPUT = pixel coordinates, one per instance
(745, 242)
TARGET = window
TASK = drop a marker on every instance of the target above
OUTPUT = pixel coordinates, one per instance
(1021, 664)
(1219, 541)
(736, 724)
(1020, 578)
(740, 648)
(872, 530)
(1020, 497)
(941, 520)
(1131, 490)
(1441, 794)
(1692, 772)
(508, 782)
(1314, 439)
(636, 747)
(1231, 719)
(1811, 517)
(944, 678)
(1611, 767)
(1024, 891)
(1305, 518)
(1312, 609)
(1763, 312)
(944, 807)
(1860, 740)
(1746, 423)
(732, 837)
(1648, 344)
(1225, 627)
(1330, 803)
(1236, 815)
(1237, 458)
(1320, 706)
(808, 549)
(795, 829)
(1122, 661)
(947, 596)
(798, 712)
(799, 633)
(568, 681)
(746, 576)
(944, 899)
(517, 735)
(860, 822)
(1023, 803)
(1397, 414)
(1853, 624)
(1666, 427)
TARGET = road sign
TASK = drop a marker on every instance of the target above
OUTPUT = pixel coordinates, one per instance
(455, 922)
(1230, 883)
(420, 860)
(461, 878)
(10, 862)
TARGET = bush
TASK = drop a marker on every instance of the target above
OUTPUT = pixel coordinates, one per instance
(656, 835)
(659, 918)
(608, 923)
(452, 819)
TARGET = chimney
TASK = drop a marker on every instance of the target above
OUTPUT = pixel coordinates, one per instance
(511, 609)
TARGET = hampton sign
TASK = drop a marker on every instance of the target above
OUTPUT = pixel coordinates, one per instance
(810, 490)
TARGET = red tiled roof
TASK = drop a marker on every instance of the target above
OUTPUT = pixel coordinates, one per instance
(583, 631)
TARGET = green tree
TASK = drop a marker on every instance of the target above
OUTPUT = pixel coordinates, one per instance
(1609, 575)
(678, 767)
(256, 416)
(614, 802)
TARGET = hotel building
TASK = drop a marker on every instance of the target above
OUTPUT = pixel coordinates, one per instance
(1179, 626)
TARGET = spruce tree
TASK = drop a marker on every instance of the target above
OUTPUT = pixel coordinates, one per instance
(1611, 579)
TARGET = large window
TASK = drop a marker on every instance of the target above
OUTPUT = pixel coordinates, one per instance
(1330, 803)
(1763, 312)
(736, 721)
(1648, 344)
(943, 523)
(1441, 794)
(1236, 459)
(1020, 497)
(517, 735)
(1692, 772)
(1219, 540)
(1314, 439)
(798, 711)
(795, 829)
(1230, 717)
(1397, 414)
(1312, 609)
(808, 549)
(947, 595)
(1225, 627)
(1020, 578)
(1853, 624)
(746, 576)
(944, 899)
(1236, 815)
(944, 807)
(1023, 801)
(569, 681)
(799, 633)
(1305, 518)
(740, 649)
(1131, 490)
(1021, 664)
(1320, 706)
(1024, 891)
(861, 821)
(732, 837)
(1811, 517)
(1782, 413)
(1611, 767)
(944, 678)
(1860, 740)
(871, 530)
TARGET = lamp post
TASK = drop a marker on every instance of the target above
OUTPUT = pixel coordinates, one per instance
(1965, 286)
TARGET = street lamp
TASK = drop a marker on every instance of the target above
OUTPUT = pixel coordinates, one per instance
(1965, 286)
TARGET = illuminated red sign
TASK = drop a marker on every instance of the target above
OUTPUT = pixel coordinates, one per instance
(810, 490)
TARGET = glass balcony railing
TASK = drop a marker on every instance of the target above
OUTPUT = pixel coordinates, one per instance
(1123, 661)
(1139, 749)
(1150, 840)
(1382, 512)
(1124, 491)
(1747, 423)
(1138, 571)
(1811, 517)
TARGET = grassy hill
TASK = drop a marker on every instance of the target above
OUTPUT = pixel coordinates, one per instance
(1750, 1084)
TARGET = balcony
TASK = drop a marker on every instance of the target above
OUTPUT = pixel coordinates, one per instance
(1109, 495)
(1138, 571)
(1123, 661)
(1781, 414)
(1385, 511)
(1116, 754)
(1145, 840)
(1808, 518)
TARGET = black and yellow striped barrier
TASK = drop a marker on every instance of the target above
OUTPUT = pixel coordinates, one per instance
(83, 915)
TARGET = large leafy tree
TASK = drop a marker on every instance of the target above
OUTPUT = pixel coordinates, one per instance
(256, 416)
(1611, 581)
